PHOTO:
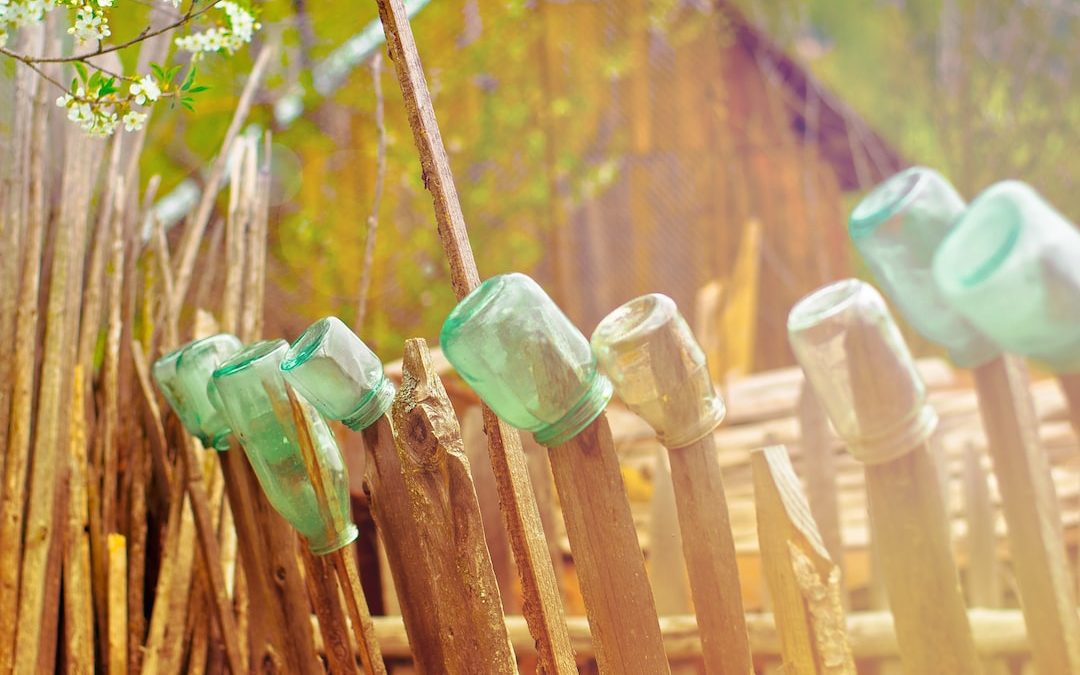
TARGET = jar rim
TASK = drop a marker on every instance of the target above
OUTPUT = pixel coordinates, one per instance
(994, 216)
(823, 303)
(249, 356)
(635, 318)
(311, 339)
(888, 199)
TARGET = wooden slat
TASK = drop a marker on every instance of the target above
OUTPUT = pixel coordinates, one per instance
(804, 583)
(609, 563)
(543, 607)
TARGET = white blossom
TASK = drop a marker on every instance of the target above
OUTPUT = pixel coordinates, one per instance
(242, 26)
(90, 24)
(134, 120)
(145, 90)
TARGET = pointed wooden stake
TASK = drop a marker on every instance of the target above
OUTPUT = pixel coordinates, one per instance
(542, 605)
(804, 583)
(447, 515)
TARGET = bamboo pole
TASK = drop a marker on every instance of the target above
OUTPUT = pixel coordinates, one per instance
(34, 615)
(117, 629)
(542, 605)
(17, 455)
(607, 557)
(78, 586)
(804, 583)
(333, 627)
(268, 553)
(1032, 513)
(207, 533)
(447, 515)
(341, 559)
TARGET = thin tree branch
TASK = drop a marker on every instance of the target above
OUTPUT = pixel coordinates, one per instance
(145, 34)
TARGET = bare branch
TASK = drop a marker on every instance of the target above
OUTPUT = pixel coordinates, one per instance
(145, 34)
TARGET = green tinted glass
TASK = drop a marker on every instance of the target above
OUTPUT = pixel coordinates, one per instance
(256, 404)
(525, 359)
(337, 372)
(897, 229)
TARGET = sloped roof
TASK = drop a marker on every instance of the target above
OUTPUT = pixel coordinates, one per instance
(860, 157)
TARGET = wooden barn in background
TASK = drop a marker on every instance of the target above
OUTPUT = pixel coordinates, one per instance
(717, 131)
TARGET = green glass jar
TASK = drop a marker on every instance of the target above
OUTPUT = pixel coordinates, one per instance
(255, 403)
(1012, 267)
(183, 377)
(658, 369)
(897, 229)
(336, 371)
(525, 359)
(860, 368)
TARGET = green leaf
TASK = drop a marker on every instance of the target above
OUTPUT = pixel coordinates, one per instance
(74, 84)
(158, 72)
(187, 104)
(107, 87)
(95, 80)
(170, 74)
(197, 89)
(81, 70)
(190, 80)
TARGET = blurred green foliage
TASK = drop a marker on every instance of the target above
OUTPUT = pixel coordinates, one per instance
(980, 90)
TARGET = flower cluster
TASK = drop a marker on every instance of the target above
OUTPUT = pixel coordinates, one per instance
(15, 14)
(223, 38)
(95, 100)
(91, 23)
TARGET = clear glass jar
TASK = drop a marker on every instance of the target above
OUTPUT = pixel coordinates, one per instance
(254, 401)
(183, 376)
(336, 371)
(861, 370)
(897, 229)
(525, 359)
(1012, 267)
(647, 350)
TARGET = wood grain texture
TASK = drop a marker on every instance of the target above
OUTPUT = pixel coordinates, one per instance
(326, 498)
(607, 557)
(819, 467)
(78, 585)
(447, 515)
(542, 606)
(1070, 386)
(710, 556)
(804, 583)
(117, 630)
(388, 500)
(211, 558)
(321, 581)
(271, 571)
(912, 540)
(1036, 542)
(708, 544)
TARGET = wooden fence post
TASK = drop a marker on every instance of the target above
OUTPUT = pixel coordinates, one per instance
(1032, 514)
(853, 354)
(450, 534)
(542, 606)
